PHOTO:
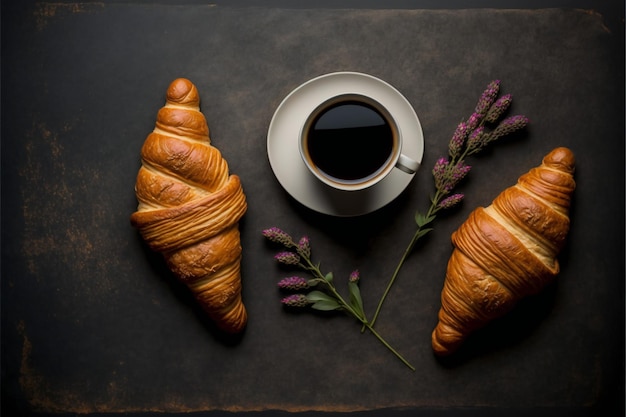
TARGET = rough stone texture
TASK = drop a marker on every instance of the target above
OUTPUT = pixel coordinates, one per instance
(93, 322)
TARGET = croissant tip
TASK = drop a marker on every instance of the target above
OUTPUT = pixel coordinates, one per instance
(445, 345)
(562, 158)
(183, 91)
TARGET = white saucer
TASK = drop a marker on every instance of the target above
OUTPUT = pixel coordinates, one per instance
(291, 172)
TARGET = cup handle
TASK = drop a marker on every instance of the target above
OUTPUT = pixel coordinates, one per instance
(407, 164)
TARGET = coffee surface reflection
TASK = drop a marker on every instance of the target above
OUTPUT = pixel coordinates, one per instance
(350, 141)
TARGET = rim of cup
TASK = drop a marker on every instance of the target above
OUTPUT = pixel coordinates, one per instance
(360, 183)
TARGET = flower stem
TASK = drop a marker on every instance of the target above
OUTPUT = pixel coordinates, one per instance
(418, 233)
(382, 340)
(395, 275)
(366, 324)
(369, 326)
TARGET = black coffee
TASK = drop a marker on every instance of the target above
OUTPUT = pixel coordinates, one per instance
(350, 140)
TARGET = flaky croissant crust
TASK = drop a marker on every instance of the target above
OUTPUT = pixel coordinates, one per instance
(189, 206)
(506, 251)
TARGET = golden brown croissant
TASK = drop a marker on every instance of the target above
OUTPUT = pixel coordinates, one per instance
(506, 251)
(189, 207)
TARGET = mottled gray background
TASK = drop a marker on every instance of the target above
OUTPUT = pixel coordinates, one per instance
(92, 322)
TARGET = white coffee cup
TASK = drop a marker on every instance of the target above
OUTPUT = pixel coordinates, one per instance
(351, 142)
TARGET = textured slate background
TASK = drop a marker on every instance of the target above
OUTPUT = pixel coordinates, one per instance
(92, 322)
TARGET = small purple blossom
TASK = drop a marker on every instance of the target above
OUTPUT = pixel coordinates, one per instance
(477, 139)
(288, 258)
(458, 139)
(439, 172)
(461, 168)
(296, 300)
(509, 125)
(293, 283)
(446, 176)
(304, 247)
(354, 276)
(498, 108)
(450, 201)
(474, 121)
(457, 173)
(276, 235)
(488, 98)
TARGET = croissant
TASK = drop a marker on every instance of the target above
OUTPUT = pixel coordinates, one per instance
(506, 251)
(189, 207)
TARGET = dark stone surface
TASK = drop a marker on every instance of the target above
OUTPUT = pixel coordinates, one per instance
(92, 322)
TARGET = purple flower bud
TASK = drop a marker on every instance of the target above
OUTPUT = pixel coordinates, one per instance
(498, 108)
(439, 172)
(509, 125)
(474, 121)
(274, 234)
(354, 276)
(450, 201)
(293, 283)
(456, 143)
(476, 133)
(458, 172)
(287, 258)
(476, 139)
(296, 300)
(304, 247)
(446, 176)
(488, 98)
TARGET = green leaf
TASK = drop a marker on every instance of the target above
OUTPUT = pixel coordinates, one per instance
(423, 232)
(312, 282)
(422, 220)
(319, 296)
(356, 302)
(326, 305)
(329, 277)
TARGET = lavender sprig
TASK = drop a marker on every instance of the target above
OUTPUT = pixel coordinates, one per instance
(294, 284)
(469, 138)
(487, 98)
(296, 300)
(498, 108)
(325, 295)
